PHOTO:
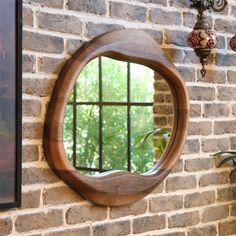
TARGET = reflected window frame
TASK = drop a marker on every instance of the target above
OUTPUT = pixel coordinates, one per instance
(101, 103)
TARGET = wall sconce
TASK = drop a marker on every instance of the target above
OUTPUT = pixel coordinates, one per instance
(202, 39)
(232, 43)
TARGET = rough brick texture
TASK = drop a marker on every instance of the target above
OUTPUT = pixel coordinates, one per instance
(215, 145)
(199, 164)
(31, 107)
(94, 7)
(81, 231)
(209, 230)
(160, 204)
(41, 220)
(38, 175)
(213, 110)
(191, 146)
(225, 194)
(31, 199)
(42, 43)
(200, 128)
(136, 208)
(81, 214)
(28, 16)
(59, 195)
(215, 213)
(197, 199)
(184, 220)
(43, 3)
(119, 228)
(128, 11)
(227, 228)
(30, 153)
(183, 182)
(148, 223)
(59, 23)
(5, 226)
(159, 16)
(214, 179)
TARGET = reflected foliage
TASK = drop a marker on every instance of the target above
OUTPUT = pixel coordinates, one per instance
(113, 118)
(115, 137)
(143, 157)
(88, 83)
(114, 80)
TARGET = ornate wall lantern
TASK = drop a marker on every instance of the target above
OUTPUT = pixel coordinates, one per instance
(203, 38)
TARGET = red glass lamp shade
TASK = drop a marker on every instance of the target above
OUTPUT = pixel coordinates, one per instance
(202, 39)
(232, 43)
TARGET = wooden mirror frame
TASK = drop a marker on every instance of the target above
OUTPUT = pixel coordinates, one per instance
(115, 188)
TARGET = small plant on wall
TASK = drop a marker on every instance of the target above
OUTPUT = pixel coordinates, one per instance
(227, 157)
(159, 138)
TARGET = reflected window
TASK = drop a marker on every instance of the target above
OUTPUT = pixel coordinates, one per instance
(108, 117)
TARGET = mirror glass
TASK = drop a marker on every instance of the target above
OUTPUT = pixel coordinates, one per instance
(118, 117)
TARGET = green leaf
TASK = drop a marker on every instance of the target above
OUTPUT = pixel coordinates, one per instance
(224, 152)
(150, 134)
(229, 158)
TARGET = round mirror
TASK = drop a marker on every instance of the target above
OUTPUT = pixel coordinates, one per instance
(119, 104)
(118, 117)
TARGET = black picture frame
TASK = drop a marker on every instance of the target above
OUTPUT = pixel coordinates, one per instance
(12, 16)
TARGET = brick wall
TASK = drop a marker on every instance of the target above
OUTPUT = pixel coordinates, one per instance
(197, 199)
(163, 103)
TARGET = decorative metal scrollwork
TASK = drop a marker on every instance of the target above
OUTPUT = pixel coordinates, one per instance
(215, 5)
(219, 5)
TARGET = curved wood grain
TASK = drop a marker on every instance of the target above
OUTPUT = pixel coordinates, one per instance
(115, 188)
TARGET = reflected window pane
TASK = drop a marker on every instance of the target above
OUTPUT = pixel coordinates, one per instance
(144, 118)
(88, 172)
(114, 80)
(87, 136)
(114, 138)
(142, 150)
(141, 83)
(71, 98)
(87, 85)
(68, 132)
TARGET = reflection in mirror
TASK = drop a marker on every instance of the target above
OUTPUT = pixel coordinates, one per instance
(118, 117)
